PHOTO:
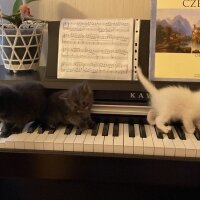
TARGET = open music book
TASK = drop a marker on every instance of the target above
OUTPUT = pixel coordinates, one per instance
(98, 49)
(175, 40)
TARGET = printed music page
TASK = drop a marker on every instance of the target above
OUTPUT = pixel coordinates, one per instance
(95, 49)
(175, 40)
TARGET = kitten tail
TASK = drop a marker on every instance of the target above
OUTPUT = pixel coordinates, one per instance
(145, 82)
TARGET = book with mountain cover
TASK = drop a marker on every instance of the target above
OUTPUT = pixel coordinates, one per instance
(175, 41)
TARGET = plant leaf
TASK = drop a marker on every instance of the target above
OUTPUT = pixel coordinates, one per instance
(17, 4)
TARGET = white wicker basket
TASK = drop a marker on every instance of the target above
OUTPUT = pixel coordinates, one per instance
(21, 46)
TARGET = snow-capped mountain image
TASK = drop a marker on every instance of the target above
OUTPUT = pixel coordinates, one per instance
(181, 25)
(178, 24)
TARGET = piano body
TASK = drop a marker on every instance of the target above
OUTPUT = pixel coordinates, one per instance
(123, 103)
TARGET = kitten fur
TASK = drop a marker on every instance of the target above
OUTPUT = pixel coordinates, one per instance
(170, 104)
(19, 104)
(71, 106)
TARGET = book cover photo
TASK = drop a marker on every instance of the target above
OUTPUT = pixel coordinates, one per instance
(175, 40)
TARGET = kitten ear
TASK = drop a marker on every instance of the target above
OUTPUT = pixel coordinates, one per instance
(86, 87)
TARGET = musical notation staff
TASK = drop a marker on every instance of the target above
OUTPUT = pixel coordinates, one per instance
(95, 42)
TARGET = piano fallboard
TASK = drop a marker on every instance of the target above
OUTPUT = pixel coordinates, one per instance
(105, 169)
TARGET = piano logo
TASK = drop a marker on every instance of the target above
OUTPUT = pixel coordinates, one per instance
(139, 96)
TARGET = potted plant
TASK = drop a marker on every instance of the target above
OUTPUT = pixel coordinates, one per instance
(21, 38)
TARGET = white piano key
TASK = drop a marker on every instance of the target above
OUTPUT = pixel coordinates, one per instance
(190, 149)
(10, 142)
(179, 145)
(39, 141)
(89, 142)
(148, 142)
(2, 143)
(69, 141)
(119, 140)
(59, 141)
(20, 138)
(138, 141)
(109, 140)
(128, 141)
(29, 140)
(159, 149)
(99, 139)
(196, 144)
(169, 146)
(79, 141)
(49, 141)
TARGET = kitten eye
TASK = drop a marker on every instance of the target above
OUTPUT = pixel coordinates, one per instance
(87, 108)
(75, 108)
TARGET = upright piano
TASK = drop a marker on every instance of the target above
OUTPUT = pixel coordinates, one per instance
(122, 149)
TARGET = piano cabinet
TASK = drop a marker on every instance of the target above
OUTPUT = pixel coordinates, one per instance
(109, 168)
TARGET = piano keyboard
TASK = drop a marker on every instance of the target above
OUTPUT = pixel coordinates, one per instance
(114, 138)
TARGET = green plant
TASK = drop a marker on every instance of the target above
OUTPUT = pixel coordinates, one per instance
(20, 13)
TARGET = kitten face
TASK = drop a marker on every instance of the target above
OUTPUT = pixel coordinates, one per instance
(79, 102)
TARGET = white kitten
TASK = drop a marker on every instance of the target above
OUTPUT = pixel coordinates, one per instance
(172, 103)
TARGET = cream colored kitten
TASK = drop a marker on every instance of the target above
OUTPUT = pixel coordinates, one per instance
(172, 103)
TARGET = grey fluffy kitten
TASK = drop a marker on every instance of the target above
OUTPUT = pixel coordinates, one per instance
(19, 104)
(71, 106)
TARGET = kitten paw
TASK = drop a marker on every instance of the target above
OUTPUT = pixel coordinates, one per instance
(151, 117)
(166, 129)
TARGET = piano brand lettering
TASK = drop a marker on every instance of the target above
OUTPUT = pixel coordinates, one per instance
(139, 95)
(191, 3)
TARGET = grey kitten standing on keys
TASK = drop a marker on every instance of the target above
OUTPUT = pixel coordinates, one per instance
(172, 103)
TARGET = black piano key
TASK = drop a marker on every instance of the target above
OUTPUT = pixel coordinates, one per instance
(170, 135)
(116, 130)
(41, 129)
(32, 127)
(52, 130)
(197, 134)
(78, 131)
(105, 129)
(142, 131)
(159, 133)
(95, 129)
(180, 132)
(131, 130)
(68, 129)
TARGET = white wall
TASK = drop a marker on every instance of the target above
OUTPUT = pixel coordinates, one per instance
(57, 9)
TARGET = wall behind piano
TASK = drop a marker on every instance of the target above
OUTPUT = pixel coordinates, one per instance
(57, 9)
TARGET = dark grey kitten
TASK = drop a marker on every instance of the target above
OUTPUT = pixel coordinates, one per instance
(71, 106)
(19, 104)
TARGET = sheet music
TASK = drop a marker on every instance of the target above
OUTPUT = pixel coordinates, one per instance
(95, 49)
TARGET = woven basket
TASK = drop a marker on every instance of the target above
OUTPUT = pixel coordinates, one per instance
(21, 47)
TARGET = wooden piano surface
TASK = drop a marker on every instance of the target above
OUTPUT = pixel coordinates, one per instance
(21, 166)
